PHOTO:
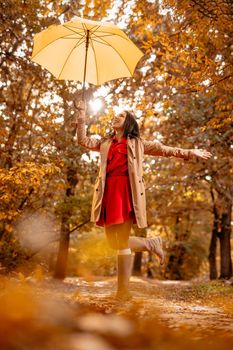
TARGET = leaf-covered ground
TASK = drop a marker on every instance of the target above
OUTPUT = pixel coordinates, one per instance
(174, 302)
(81, 313)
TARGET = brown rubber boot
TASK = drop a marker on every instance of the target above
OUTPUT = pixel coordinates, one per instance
(124, 266)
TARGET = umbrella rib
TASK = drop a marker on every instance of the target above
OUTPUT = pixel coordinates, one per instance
(97, 27)
(73, 31)
(61, 37)
(103, 36)
(100, 42)
(90, 30)
(93, 31)
(97, 76)
(106, 43)
(76, 45)
(81, 37)
(82, 26)
(114, 34)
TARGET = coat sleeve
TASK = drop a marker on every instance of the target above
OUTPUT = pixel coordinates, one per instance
(156, 148)
(82, 138)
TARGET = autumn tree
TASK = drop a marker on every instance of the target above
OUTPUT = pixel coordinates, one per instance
(180, 92)
(182, 88)
(39, 158)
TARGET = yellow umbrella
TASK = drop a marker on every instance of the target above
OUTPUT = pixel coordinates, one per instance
(86, 50)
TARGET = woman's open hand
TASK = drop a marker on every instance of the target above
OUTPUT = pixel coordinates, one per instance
(201, 153)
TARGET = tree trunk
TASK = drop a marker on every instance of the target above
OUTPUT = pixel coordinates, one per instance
(225, 242)
(213, 243)
(7, 162)
(150, 270)
(137, 264)
(212, 256)
(61, 263)
(51, 262)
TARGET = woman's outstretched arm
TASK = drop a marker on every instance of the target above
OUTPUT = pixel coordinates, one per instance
(82, 138)
(156, 148)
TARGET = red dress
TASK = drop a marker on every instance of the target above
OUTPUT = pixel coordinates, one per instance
(117, 205)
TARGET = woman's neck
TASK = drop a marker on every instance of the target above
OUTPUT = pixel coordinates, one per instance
(119, 134)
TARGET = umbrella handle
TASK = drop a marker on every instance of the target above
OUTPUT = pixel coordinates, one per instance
(85, 65)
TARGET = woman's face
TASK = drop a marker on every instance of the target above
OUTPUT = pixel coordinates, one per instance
(118, 121)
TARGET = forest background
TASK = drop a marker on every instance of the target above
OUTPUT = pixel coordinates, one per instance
(181, 93)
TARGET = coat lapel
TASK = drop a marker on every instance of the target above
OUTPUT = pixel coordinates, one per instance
(135, 156)
(130, 143)
(104, 151)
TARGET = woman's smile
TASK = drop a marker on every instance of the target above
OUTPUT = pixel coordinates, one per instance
(119, 120)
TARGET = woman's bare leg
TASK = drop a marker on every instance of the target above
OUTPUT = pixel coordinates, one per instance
(118, 238)
(118, 235)
(152, 245)
(137, 244)
(111, 235)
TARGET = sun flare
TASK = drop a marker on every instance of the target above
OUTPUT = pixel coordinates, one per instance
(96, 105)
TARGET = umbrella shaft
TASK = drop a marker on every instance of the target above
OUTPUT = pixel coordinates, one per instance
(85, 64)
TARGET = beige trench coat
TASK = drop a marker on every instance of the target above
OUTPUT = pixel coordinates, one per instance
(136, 147)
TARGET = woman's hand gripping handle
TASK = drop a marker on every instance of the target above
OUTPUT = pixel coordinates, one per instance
(80, 111)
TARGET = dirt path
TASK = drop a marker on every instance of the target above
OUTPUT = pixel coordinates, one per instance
(170, 301)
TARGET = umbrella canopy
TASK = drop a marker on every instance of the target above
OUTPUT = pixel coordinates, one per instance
(86, 50)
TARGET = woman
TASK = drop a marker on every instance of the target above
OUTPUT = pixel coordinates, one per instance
(119, 192)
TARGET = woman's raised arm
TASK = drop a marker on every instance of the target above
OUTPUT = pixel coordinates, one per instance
(82, 138)
(156, 148)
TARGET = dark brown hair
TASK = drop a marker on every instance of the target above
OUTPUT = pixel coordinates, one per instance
(130, 126)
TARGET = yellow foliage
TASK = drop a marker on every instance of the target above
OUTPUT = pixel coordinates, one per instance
(8, 228)
(17, 182)
(166, 104)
